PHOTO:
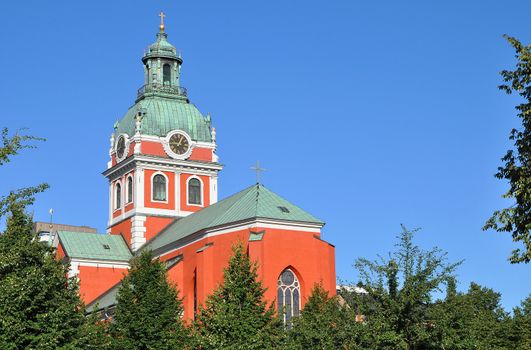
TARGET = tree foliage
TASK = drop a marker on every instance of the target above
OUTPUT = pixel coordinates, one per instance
(326, 324)
(400, 290)
(148, 311)
(39, 306)
(11, 146)
(236, 316)
(516, 169)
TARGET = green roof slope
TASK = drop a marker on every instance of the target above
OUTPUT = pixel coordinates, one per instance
(253, 202)
(94, 246)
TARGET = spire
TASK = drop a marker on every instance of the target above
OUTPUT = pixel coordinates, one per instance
(161, 15)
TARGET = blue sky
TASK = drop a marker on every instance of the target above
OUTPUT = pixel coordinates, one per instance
(368, 114)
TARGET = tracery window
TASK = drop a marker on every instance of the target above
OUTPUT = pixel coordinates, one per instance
(129, 189)
(118, 196)
(166, 74)
(194, 191)
(288, 295)
(159, 187)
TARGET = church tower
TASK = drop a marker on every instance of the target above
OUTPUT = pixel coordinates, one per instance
(162, 163)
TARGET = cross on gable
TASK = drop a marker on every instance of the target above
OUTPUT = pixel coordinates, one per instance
(258, 171)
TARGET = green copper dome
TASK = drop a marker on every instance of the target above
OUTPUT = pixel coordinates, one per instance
(162, 100)
(163, 115)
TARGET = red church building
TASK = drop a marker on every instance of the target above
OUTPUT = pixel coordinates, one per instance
(163, 196)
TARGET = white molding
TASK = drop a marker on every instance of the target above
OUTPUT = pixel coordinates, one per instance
(127, 177)
(166, 145)
(201, 144)
(114, 202)
(150, 212)
(213, 189)
(254, 224)
(100, 263)
(207, 168)
(193, 176)
(167, 183)
(138, 232)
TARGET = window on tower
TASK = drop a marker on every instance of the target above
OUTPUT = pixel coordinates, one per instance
(159, 187)
(129, 189)
(166, 74)
(118, 196)
(194, 191)
(288, 295)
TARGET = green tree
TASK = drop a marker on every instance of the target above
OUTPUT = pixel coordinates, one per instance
(11, 146)
(326, 324)
(516, 169)
(236, 316)
(39, 306)
(400, 290)
(148, 312)
(519, 332)
(472, 320)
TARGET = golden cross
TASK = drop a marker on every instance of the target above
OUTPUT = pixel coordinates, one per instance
(258, 170)
(162, 15)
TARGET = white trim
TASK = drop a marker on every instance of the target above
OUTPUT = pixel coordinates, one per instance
(166, 144)
(253, 225)
(201, 144)
(100, 263)
(206, 168)
(115, 206)
(127, 177)
(138, 232)
(177, 177)
(139, 185)
(126, 147)
(188, 192)
(213, 189)
(152, 187)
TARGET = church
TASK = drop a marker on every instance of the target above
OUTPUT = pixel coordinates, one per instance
(163, 197)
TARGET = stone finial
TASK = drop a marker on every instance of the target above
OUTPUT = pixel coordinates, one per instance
(214, 135)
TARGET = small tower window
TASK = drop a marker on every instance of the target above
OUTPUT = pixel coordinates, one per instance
(194, 191)
(129, 189)
(288, 295)
(166, 74)
(159, 187)
(118, 196)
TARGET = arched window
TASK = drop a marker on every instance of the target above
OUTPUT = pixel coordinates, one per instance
(194, 191)
(288, 295)
(166, 74)
(129, 189)
(118, 196)
(159, 187)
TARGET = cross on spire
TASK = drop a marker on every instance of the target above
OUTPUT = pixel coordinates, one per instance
(162, 15)
(258, 170)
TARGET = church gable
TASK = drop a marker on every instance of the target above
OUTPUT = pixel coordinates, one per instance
(255, 202)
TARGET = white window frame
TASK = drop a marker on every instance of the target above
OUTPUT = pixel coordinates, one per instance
(127, 201)
(115, 201)
(188, 191)
(153, 187)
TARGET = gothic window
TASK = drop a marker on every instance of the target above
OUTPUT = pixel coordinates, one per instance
(129, 189)
(288, 295)
(194, 191)
(159, 187)
(166, 74)
(118, 196)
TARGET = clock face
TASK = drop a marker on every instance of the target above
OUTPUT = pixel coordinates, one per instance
(179, 144)
(120, 147)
